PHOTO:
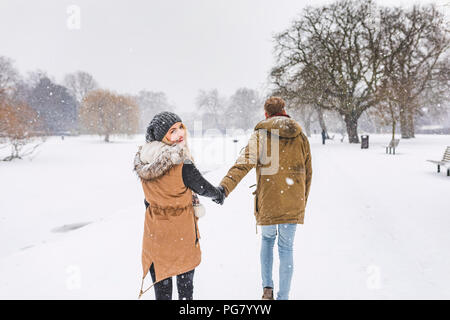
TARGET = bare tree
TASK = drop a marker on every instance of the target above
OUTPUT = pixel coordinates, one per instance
(435, 99)
(305, 112)
(302, 96)
(128, 114)
(105, 113)
(34, 77)
(335, 51)
(244, 109)
(387, 111)
(151, 103)
(8, 77)
(416, 41)
(79, 84)
(19, 128)
(213, 105)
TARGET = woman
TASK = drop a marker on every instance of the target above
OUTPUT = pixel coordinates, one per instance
(169, 178)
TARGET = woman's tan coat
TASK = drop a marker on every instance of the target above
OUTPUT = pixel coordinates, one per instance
(171, 234)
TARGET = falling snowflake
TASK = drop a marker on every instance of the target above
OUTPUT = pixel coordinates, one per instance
(289, 181)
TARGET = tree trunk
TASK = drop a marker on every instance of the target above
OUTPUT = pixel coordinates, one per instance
(393, 129)
(307, 123)
(351, 122)
(14, 152)
(410, 120)
(323, 126)
(406, 123)
(107, 137)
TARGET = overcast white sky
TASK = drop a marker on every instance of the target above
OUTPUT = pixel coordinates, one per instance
(175, 46)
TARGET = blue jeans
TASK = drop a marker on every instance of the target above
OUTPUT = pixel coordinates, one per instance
(286, 234)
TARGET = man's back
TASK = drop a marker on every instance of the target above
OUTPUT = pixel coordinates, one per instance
(280, 152)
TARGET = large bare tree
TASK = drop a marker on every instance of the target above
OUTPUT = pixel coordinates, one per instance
(335, 52)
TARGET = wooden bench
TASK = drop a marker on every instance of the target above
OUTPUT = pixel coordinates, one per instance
(445, 162)
(392, 145)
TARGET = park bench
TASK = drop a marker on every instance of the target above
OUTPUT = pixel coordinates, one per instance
(392, 145)
(445, 162)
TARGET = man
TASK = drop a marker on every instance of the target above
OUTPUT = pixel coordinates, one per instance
(324, 136)
(280, 152)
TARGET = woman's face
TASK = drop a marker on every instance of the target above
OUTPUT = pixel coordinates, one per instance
(176, 134)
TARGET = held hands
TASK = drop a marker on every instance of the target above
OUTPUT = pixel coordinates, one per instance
(195, 200)
(221, 195)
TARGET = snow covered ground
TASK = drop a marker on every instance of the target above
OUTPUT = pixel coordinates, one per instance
(377, 225)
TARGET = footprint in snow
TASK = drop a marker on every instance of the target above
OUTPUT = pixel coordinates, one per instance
(70, 227)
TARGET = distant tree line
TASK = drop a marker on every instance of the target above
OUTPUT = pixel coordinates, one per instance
(242, 110)
(35, 106)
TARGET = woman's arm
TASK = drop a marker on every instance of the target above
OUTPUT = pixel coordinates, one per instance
(194, 180)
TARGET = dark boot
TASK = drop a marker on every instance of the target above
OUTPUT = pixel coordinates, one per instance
(267, 293)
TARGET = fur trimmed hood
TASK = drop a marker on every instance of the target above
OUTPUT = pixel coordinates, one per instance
(287, 127)
(155, 158)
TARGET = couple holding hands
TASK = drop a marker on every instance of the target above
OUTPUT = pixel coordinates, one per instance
(171, 183)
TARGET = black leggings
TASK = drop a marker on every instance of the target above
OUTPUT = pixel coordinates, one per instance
(185, 286)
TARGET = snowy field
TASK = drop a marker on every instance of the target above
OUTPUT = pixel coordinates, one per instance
(377, 226)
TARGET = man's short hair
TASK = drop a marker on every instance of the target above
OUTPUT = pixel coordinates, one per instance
(274, 105)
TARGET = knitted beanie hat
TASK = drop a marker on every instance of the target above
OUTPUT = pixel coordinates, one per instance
(160, 124)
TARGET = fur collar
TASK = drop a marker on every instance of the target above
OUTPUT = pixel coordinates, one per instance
(286, 126)
(155, 158)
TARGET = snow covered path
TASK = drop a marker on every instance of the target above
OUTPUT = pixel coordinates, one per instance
(377, 225)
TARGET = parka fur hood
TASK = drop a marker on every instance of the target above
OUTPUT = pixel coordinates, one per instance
(155, 158)
(286, 127)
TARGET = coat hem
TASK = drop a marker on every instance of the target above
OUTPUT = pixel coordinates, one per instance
(296, 221)
(173, 273)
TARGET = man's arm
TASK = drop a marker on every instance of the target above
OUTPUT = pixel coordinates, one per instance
(308, 167)
(246, 161)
